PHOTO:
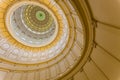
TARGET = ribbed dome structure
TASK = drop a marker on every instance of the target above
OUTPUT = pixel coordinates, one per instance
(36, 31)
(40, 38)
(59, 40)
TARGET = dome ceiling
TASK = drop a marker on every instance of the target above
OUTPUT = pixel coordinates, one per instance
(35, 27)
(40, 34)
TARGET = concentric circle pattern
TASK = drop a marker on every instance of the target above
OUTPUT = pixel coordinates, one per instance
(38, 19)
(35, 31)
(40, 35)
(34, 22)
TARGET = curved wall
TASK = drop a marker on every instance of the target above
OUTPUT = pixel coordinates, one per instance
(104, 61)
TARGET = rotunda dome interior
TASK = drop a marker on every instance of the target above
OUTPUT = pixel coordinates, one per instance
(59, 40)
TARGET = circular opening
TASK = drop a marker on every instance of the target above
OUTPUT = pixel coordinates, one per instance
(32, 24)
(40, 15)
